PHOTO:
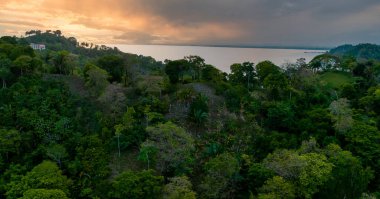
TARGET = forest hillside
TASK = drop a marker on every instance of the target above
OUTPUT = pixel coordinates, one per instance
(78, 120)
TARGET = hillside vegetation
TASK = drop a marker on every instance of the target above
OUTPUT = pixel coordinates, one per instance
(360, 52)
(84, 121)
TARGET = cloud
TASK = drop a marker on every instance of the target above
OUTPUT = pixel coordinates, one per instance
(21, 23)
(248, 22)
(138, 37)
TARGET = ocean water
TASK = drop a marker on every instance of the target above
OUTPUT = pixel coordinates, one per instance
(221, 57)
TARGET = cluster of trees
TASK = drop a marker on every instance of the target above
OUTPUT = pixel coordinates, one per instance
(80, 122)
(360, 51)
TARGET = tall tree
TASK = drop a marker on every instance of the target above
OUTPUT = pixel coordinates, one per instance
(266, 68)
(176, 69)
(243, 74)
(197, 64)
(64, 62)
(173, 147)
(341, 115)
(125, 126)
(10, 142)
(5, 70)
(23, 64)
(57, 153)
(96, 79)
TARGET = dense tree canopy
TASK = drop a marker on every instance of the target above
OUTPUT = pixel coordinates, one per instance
(137, 185)
(80, 120)
(44, 176)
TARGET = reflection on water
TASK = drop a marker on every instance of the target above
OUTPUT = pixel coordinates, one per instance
(221, 57)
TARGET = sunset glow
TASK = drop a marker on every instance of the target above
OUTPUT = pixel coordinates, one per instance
(197, 22)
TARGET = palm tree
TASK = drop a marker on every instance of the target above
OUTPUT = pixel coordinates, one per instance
(200, 117)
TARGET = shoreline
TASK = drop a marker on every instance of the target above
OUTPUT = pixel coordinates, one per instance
(233, 46)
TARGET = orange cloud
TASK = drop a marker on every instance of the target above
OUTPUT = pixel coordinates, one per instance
(20, 23)
(108, 21)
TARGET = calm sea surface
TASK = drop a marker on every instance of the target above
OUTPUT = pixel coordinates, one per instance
(221, 57)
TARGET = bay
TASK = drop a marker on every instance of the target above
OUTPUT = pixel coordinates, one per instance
(221, 57)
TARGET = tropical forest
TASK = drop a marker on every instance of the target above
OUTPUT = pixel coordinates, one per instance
(80, 120)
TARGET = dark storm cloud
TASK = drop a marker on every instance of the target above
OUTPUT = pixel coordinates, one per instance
(188, 11)
(307, 22)
(137, 37)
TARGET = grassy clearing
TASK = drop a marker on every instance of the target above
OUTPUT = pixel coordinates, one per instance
(336, 79)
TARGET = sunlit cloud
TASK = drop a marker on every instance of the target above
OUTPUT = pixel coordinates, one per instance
(240, 22)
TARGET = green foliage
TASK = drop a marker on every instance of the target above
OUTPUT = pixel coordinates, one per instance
(277, 188)
(252, 131)
(199, 110)
(221, 174)
(176, 69)
(200, 103)
(44, 194)
(179, 188)
(371, 102)
(44, 176)
(317, 123)
(64, 62)
(276, 84)
(9, 39)
(10, 142)
(57, 153)
(235, 97)
(308, 171)
(151, 85)
(23, 64)
(349, 178)
(265, 68)
(341, 115)
(243, 74)
(257, 175)
(361, 51)
(285, 163)
(316, 172)
(336, 80)
(114, 65)
(364, 141)
(210, 73)
(93, 158)
(281, 115)
(96, 79)
(325, 62)
(17, 51)
(196, 64)
(5, 70)
(173, 146)
(126, 132)
(135, 185)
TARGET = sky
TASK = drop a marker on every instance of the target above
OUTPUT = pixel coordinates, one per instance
(199, 22)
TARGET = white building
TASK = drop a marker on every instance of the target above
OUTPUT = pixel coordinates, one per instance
(38, 46)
